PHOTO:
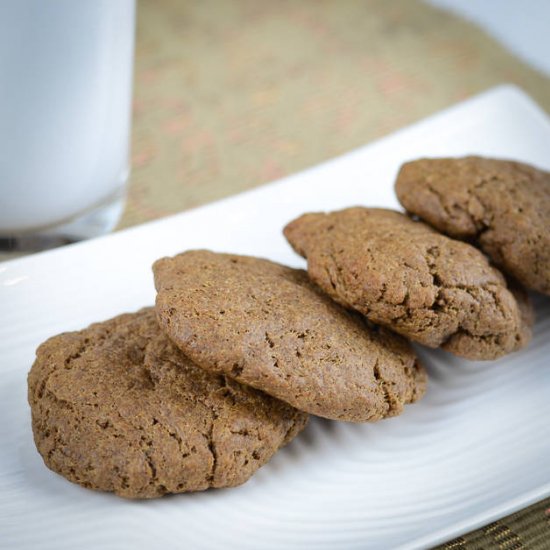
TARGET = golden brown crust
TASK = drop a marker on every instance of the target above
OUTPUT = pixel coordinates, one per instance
(404, 275)
(117, 407)
(267, 326)
(502, 206)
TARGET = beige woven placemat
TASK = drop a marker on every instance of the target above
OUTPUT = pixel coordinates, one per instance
(231, 94)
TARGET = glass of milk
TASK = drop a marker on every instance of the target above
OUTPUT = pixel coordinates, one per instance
(65, 100)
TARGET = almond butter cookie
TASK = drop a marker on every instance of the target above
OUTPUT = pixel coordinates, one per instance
(268, 326)
(404, 275)
(117, 407)
(501, 206)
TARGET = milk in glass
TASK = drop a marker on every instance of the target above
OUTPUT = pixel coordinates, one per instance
(65, 90)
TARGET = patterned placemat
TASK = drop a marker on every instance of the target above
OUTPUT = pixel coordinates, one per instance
(528, 529)
(231, 94)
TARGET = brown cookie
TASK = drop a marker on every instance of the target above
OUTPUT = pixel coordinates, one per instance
(117, 407)
(267, 326)
(502, 206)
(404, 275)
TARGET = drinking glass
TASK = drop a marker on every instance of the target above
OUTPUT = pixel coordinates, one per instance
(65, 99)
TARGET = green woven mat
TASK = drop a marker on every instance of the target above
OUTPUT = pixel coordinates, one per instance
(527, 529)
(230, 94)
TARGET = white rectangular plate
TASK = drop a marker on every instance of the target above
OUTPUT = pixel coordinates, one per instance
(475, 449)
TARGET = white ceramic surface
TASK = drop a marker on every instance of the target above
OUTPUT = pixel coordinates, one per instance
(476, 448)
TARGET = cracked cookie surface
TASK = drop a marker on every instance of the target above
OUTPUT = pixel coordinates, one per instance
(117, 407)
(404, 275)
(268, 326)
(502, 206)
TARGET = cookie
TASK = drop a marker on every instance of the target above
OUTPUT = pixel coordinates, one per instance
(404, 275)
(267, 326)
(501, 206)
(117, 407)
